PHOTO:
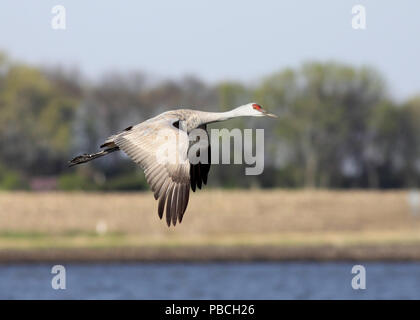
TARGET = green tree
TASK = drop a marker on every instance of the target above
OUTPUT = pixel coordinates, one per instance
(325, 110)
(35, 121)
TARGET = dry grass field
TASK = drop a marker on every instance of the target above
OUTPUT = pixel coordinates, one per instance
(214, 218)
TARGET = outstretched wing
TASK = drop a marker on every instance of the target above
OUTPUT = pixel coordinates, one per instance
(161, 149)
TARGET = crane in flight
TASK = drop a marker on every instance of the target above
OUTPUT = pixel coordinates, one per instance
(170, 181)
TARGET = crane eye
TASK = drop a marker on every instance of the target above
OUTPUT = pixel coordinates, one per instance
(256, 107)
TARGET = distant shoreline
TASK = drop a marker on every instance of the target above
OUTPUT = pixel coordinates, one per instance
(153, 254)
(267, 225)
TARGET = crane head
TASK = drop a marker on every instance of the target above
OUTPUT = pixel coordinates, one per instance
(258, 111)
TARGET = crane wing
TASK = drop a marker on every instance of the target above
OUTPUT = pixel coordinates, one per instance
(200, 171)
(161, 150)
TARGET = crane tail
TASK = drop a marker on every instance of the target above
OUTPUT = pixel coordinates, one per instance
(89, 157)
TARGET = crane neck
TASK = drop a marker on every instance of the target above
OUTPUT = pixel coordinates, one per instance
(209, 117)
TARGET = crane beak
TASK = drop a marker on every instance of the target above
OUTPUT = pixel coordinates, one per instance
(269, 114)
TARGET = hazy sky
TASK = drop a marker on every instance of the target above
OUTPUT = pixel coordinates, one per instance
(215, 40)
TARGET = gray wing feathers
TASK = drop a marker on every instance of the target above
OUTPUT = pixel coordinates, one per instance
(169, 182)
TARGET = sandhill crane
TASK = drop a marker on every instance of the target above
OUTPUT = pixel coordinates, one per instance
(170, 182)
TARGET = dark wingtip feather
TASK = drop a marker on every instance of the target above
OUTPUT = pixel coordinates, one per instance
(181, 200)
(168, 206)
(185, 203)
(192, 177)
(161, 206)
(198, 176)
(174, 204)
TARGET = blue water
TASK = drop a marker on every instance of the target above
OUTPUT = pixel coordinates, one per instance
(212, 281)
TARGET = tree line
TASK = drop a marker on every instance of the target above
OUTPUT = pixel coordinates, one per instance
(338, 127)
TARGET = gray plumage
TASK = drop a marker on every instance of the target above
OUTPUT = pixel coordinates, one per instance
(170, 181)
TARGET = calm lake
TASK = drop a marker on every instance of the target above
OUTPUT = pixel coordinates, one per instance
(286, 280)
